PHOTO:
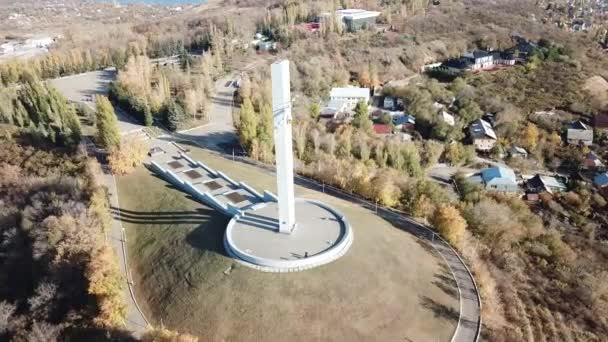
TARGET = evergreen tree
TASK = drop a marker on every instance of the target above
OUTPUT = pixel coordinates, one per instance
(108, 135)
(248, 125)
(265, 130)
(362, 119)
(314, 110)
(174, 115)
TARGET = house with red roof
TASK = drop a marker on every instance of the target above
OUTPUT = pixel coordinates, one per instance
(382, 129)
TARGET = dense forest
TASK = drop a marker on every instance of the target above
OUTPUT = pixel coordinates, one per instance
(60, 278)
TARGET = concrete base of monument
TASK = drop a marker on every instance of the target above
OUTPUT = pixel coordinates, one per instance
(321, 236)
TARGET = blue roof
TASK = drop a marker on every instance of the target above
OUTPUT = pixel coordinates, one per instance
(404, 119)
(601, 180)
(500, 172)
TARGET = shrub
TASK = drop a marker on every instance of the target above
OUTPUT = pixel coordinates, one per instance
(450, 224)
(124, 159)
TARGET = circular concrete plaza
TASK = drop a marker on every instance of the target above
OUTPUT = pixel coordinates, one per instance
(322, 235)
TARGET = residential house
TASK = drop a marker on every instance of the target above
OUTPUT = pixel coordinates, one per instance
(499, 178)
(518, 152)
(579, 133)
(382, 129)
(479, 59)
(601, 182)
(356, 19)
(389, 102)
(455, 66)
(523, 48)
(489, 118)
(7, 47)
(592, 161)
(267, 46)
(540, 183)
(351, 96)
(404, 122)
(503, 58)
(600, 122)
(482, 135)
(353, 19)
(333, 109)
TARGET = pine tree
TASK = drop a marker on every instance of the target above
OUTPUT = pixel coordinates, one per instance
(248, 124)
(174, 115)
(361, 119)
(108, 135)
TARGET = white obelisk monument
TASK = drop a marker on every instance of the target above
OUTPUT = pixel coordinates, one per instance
(281, 109)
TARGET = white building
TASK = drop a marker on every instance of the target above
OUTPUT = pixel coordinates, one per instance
(41, 42)
(333, 109)
(7, 47)
(351, 96)
(354, 19)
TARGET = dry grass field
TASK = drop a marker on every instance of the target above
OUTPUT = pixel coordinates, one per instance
(389, 287)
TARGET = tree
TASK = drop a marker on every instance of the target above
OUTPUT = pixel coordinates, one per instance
(531, 136)
(365, 79)
(248, 123)
(468, 110)
(108, 134)
(264, 133)
(361, 119)
(458, 85)
(314, 110)
(6, 312)
(127, 157)
(174, 115)
(449, 223)
(386, 118)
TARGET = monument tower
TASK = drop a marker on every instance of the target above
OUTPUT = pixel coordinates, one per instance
(263, 233)
(281, 110)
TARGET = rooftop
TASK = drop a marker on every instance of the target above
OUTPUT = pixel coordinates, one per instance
(498, 172)
(578, 125)
(353, 13)
(518, 150)
(382, 129)
(403, 119)
(349, 92)
(477, 54)
(480, 129)
(601, 180)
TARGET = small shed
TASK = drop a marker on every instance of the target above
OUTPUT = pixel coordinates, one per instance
(518, 152)
(579, 133)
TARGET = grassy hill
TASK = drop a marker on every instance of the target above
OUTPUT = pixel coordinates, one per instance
(389, 286)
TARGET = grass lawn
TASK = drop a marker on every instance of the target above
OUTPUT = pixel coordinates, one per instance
(389, 287)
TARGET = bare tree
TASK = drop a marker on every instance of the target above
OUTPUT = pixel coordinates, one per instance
(6, 312)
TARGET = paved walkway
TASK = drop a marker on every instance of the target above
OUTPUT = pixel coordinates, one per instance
(135, 322)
